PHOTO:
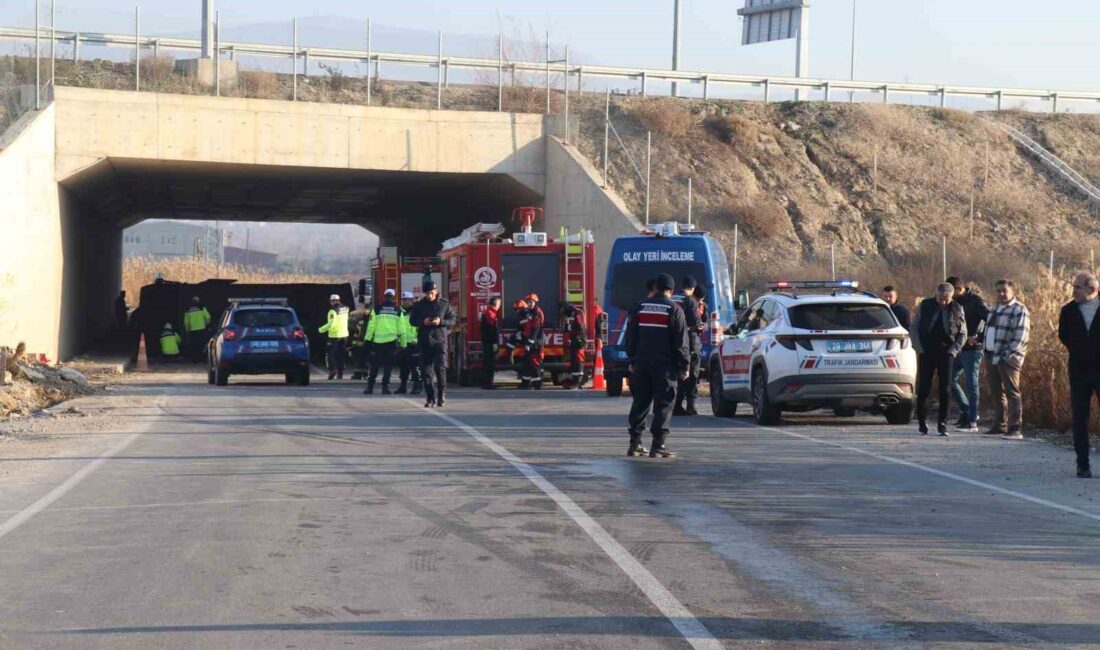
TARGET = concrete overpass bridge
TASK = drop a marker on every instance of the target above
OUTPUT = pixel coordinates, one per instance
(94, 162)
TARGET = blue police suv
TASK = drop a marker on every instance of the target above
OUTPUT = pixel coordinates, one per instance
(259, 336)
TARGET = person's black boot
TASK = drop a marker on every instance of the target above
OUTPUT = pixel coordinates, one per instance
(440, 401)
(942, 429)
(1084, 472)
(331, 375)
(402, 389)
(690, 408)
(369, 389)
(429, 395)
(922, 426)
(636, 449)
(661, 452)
(386, 389)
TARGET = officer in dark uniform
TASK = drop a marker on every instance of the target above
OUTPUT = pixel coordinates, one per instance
(433, 319)
(657, 346)
(687, 389)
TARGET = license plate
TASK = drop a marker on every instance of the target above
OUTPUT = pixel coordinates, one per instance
(850, 363)
(849, 346)
(263, 346)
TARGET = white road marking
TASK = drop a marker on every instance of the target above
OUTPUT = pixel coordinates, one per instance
(38, 506)
(938, 472)
(693, 631)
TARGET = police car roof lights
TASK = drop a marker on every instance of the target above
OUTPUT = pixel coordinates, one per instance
(243, 302)
(836, 286)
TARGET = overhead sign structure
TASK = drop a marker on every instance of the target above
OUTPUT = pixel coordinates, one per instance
(777, 20)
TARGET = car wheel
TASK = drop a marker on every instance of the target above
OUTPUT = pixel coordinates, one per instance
(221, 377)
(719, 405)
(291, 378)
(844, 411)
(901, 413)
(614, 384)
(303, 378)
(763, 411)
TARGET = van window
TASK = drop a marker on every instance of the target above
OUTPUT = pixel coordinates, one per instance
(628, 279)
(842, 316)
(722, 285)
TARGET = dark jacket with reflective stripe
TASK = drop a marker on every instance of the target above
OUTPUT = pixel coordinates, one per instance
(657, 335)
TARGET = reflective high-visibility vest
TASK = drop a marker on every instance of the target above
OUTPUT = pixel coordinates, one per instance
(170, 343)
(387, 325)
(337, 325)
(196, 319)
(408, 331)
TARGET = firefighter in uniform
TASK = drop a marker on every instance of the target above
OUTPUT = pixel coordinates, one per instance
(196, 324)
(386, 334)
(573, 328)
(336, 326)
(515, 342)
(490, 342)
(408, 356)
(358, 339)
(657, 346)
(687, 389)
(170, 343)
(530, 327)
(433, 318)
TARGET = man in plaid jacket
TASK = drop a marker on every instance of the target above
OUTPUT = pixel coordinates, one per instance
(1006, 336)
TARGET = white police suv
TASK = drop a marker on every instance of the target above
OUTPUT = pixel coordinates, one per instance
(794, 350)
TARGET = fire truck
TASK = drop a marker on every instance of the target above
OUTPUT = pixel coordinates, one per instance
(391, 271)
(482, 263)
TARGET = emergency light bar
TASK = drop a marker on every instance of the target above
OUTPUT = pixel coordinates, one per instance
(814, 284)
(281, 302)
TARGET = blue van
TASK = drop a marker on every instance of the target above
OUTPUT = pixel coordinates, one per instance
(664, 248)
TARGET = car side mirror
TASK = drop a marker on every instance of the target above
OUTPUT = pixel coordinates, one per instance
(742, 301)
(731, 330)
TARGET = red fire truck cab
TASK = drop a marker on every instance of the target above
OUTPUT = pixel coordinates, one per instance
(390, 271)
(483, 263)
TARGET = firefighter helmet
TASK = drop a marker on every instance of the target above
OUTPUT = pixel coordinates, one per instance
(520, 304)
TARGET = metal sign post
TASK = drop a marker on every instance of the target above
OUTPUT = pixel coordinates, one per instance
(777, 20)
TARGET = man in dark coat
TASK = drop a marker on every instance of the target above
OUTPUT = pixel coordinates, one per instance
(687, 389)
(433, 318)
(657, 346)
(1079, 331)
(938, 332)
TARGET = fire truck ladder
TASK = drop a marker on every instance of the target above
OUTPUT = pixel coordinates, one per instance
(391, 278)
(575, 270)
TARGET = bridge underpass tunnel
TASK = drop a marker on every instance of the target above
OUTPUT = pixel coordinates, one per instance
(414, 211)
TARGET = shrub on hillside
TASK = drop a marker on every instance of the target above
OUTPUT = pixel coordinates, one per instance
(732, 129)
(756, 217)
(259, 84)
(669, 117)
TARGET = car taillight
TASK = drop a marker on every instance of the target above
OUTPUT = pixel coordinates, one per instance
(905, 343)
(230, 334)
(716, 333)
(786, 341)
(792, 388)
(898, 343)
(299, 334)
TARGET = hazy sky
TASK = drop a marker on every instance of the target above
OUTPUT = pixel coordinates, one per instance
(1050, 44)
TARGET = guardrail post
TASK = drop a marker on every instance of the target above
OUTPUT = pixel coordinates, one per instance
(767, 90)
(76, 47)
(706, 86)
(828, 91)
(1054, 102)
(370, 78)
(580, 79)
(943, 96)
(137, 49)
(439, 75)
(886, 94)
(294, 61)
(1000, 100)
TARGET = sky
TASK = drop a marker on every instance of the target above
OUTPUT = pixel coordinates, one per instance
(1020, 43)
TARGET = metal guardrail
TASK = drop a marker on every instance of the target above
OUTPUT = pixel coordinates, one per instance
(643, 75)
(1051, 161)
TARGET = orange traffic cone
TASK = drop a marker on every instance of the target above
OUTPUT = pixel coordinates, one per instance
(598, 382)
(142, 364)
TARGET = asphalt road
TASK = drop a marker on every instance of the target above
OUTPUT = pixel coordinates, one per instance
(267, 516)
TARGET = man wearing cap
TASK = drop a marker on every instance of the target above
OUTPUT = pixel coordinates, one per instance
(385, 333)
(433, 318)
(686, 389)
(196, 325)
(408, 357)
(336, 326)
(657, 346)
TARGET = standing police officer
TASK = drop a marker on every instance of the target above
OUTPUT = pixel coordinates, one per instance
(433, 318)
(336, 326)
(196, 324)
(385, 333)
(409, 355)
(687, 389)
(657, 346)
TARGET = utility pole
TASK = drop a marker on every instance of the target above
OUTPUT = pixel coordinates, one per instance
(677, 23)
(207, 30)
